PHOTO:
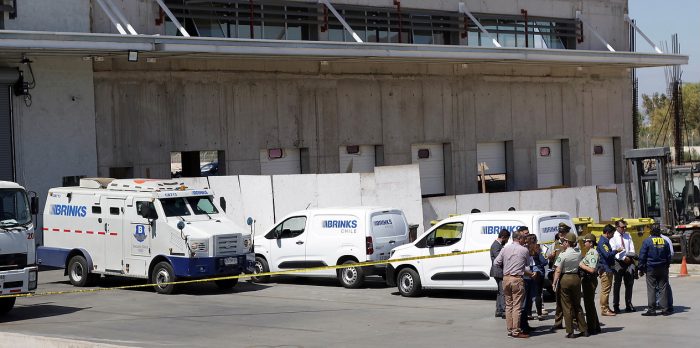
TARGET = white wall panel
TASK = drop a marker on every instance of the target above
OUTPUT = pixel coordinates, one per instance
(465, 203)
(536, 200)
(549, 167)
(294, 192)
(289, 163)
(362, 162)
(432, 169)
(494, 154)
(603, 165)
(438, 208)
(500, 201)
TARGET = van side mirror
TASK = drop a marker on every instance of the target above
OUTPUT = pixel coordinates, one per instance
(430, 242)
(148, 211)
(34, 205)
(222, 203)
(277, 234)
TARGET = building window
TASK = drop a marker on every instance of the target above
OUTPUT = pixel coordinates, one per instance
(197, 163)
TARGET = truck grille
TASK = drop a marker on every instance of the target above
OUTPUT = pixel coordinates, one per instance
(227, 245)
(13, 261)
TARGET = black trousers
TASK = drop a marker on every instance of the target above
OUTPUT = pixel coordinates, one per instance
(657, 279)
(624, 275)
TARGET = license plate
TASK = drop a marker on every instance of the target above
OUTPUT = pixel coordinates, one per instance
(230, 261)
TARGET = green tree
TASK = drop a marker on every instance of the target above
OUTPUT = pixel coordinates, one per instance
(658, 121)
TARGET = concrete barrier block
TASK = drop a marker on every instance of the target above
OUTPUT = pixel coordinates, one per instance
(587, 202)
(501, 201)
(465, 203)
(566, 200)
(257, 201)
(438, 208)
(608, 202)
(294, 192)
(399, 187)
(536, 200)
(339, 190)
(622, 203)
(368, 189)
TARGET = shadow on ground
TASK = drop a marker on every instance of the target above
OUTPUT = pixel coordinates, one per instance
(36, 311)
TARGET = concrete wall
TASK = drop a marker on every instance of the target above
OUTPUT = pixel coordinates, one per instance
(51, 15)
(599, 202)
(144, 111)
(55, 134)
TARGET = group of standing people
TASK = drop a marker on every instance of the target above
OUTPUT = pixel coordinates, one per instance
(519, 269)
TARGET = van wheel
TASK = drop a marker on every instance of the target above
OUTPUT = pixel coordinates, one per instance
(408, 282)
(261, 266)
(6, 304)
(352, 277)
(79, 273)
(226, 284)
(163, 273)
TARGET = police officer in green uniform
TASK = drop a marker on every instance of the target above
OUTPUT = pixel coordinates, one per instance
(567, 280)
(552, 255)
(588, 270)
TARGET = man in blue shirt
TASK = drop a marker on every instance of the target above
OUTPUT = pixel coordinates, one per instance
(605, 265)
(654, 260)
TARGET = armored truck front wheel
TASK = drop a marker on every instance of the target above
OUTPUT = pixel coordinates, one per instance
(6, 304)
(161, 276)
(79, 272)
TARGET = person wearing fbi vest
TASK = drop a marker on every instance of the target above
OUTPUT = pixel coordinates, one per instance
(654, 261)
(513, 259)
(497, 272)
(625, 268)
(567, 280)
(606, 265)
(552, 255)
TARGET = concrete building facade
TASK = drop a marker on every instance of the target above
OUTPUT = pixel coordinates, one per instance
(301, 89)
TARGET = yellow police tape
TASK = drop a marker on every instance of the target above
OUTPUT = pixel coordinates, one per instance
(243, 276)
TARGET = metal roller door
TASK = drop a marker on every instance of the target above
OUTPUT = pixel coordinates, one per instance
(357, 159)
(549, 163)
(280, 161)
(431, 165)
(494, 154)
(7, 78)
(602, 161)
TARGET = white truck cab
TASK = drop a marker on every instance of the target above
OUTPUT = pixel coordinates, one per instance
(332, 236)
(460, 234)
(18, 271)
(158, 230)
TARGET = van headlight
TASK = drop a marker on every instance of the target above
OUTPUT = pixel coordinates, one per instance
(199, 245)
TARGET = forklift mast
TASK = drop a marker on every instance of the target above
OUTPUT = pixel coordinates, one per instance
(649, 185)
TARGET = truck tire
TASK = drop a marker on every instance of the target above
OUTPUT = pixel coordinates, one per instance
(351, 278)
(408, 282)
(694, 247)
(163, 273)
(6, 304)
(261, 266)
(226, 284)
(79, 273)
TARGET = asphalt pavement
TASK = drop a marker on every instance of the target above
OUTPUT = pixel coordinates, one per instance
(314, 312)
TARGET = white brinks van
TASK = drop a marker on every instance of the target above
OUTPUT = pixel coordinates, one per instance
(458, 234)
(153, 229)
(324, 237)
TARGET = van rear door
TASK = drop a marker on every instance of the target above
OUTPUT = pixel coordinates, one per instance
(548, 226)
(388, 230)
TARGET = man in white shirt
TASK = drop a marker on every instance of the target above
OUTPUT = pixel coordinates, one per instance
(624, 270)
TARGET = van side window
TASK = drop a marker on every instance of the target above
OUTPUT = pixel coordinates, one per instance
(289, 228)
(444, 235)
(113, 211)
(96, 210)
